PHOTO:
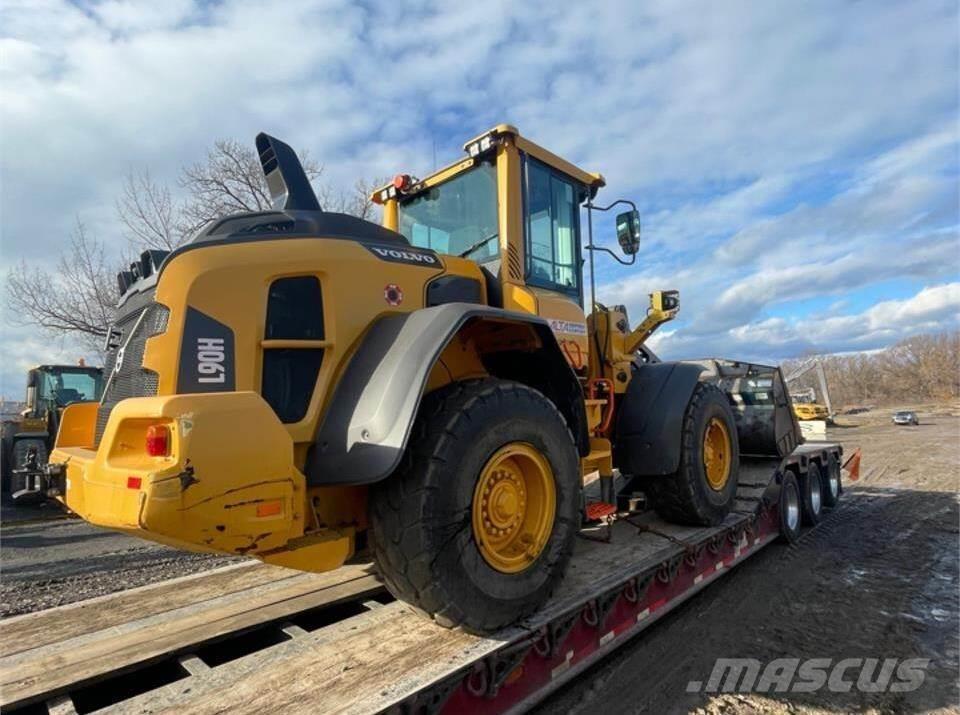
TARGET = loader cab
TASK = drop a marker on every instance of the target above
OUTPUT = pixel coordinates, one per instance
(513, 208)
(53, 387)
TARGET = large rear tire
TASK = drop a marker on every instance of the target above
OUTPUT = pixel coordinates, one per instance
(701, 492)
(477, 526)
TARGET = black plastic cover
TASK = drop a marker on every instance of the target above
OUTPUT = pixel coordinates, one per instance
(650, 419)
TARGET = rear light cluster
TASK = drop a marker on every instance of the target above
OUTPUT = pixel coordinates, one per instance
(158, 440)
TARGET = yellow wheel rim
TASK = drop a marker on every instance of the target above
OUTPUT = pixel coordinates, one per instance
(716, 454)
(514, 504)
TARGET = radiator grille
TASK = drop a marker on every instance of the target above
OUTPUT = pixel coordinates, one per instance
(130, 379)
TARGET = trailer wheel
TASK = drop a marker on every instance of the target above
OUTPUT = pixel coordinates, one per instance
(477, 526)
(811, 495)
(832, 487)
(21, 448)
(701, 492)
(790, 509)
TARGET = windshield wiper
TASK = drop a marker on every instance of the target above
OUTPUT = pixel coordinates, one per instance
(477, 245)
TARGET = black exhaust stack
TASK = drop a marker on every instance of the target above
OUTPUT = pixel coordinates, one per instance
(288, 183)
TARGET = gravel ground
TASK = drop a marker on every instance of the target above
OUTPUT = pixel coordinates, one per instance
(877, 579)
(52, 562)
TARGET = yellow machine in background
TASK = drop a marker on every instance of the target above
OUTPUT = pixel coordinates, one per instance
(297, 385)
(50, 389)
(806, 408)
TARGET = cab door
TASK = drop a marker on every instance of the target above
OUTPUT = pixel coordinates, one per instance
(551, 229)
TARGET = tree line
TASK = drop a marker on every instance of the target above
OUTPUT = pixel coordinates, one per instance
(922, 368)
(75, 297)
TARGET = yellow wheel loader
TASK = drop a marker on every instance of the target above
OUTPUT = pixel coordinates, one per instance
(27, 441)
(299, 385)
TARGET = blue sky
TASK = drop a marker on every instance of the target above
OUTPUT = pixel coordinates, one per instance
(796, 164)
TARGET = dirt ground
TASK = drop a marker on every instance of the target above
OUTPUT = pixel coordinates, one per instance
(878, 578)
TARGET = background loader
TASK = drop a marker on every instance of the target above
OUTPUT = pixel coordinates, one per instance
(50, 388)
(298, 385)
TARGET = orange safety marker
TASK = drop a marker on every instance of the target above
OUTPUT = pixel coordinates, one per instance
(269, 508)
(597, 510)
(852, 466)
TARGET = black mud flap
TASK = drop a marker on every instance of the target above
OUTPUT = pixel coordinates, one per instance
(650, 419)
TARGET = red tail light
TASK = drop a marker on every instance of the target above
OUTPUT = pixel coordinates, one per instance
(158, 440)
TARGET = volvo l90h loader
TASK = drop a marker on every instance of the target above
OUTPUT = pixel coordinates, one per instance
(297, 385)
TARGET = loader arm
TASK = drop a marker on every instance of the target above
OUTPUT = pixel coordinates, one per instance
(664, 306)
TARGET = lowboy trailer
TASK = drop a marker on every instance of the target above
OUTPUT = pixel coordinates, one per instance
(258, 638)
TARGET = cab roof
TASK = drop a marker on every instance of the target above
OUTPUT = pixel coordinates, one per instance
(487, 142)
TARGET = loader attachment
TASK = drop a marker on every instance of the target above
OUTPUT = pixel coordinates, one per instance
(766, 425)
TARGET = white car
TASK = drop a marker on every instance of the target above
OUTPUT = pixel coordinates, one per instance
(905, 417)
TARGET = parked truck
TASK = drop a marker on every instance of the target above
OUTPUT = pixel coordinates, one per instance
(299, 385)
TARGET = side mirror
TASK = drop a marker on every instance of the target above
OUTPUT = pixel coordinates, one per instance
(628, 231)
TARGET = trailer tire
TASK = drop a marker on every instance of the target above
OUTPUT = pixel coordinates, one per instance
(790, 508)
(695, 494)
(811, 495)
(832, 486)
(21, 448)
(424, 536)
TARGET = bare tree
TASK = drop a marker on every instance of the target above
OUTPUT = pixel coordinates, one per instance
(76, 299)
(149, 214)
(916, 369)
(356, 201)
(228, 181)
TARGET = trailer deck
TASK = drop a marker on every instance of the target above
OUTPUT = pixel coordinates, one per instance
(254, 638)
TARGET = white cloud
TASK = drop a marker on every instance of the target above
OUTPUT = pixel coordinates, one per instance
(777, 150)
(932, 309)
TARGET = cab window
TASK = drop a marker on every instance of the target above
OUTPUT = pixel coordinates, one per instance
(458, 217)
(552, 229)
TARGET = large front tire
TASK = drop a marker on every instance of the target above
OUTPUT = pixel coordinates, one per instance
(701, 492)
(477, 526)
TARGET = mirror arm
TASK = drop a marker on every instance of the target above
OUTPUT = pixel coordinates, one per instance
(628, 202)
(633, 257)
(590, 247)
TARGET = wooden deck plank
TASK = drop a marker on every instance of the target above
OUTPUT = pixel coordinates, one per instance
(56, 666)
(375, 659)
(355, 673)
